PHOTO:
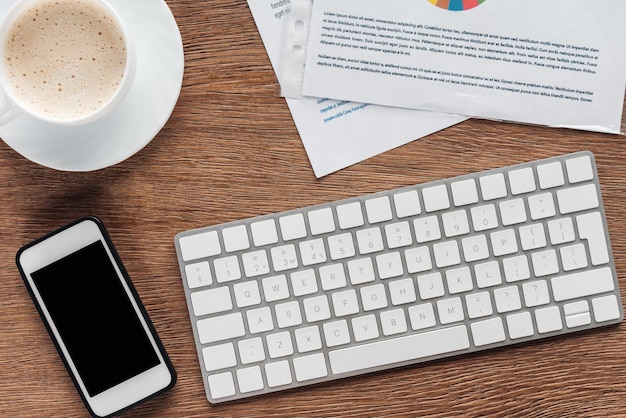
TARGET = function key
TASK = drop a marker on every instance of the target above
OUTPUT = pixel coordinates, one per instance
(292, 227)
(579, 169)
(378, 210)
(493, 186)
(522, 181)
(264, 232)
(235, 238)
(436, 198)
(200, 245)
(464, 192)
(350, 215)
(407, 204)
(321, 221)
(550, 175)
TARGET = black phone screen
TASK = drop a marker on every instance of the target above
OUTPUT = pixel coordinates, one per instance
(95, 318)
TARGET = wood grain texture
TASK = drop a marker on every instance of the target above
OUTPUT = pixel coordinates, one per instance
(230, 151)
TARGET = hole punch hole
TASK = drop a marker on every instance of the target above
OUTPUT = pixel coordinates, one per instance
(299, 25)
(297, 48)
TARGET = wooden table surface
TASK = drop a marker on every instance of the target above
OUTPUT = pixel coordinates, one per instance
(231, 151)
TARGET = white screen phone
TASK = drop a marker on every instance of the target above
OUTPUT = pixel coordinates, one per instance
(95, 318)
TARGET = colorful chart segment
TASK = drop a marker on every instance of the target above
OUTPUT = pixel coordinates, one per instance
(457, 5)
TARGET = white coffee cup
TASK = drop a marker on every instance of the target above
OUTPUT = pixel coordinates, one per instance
(65, 62)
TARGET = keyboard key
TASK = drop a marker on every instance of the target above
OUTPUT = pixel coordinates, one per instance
(219, 357)
(584, 283)
(373, 297)
(536, 293)
(247, 294)
(522, 181)
(520, 325)
(235, 238)
(484, 218)
(227, 269)
(398, 235)
(370, 240)
(200, 245)
(513, 212)
(310, 367)
(350, 215)
(577, 199)
(541, 206)
(606, 308)
(389, 265)
(255, 263)
(279, 345)
(292, 227)
(393, 322)
(278, 374)
(284, 258)
(303, 282)
(395, 350)
(455, 223)
(308, 339)
(407, 204)
(251, 350)
(590, 228)
(550, 175)
(493, 186)
(361, 271)
(435, 198)
(378, 210)
(464, 192)
(336, 333)
(488, 332)
(288, 314)
(579, 169)
(332, 276)
(561, 231)
(211, 301)
(312, 252)
(250, 379)
(422, 316)
(532, 237)
(275, 288)
(427, 229)
(264, 232)
(548, 319)
(364, 328)
(450, 310)
(321, 221)
(220, 328)
(316, 308)
(341, 246)
(198, 274)
(221, 385)
(260, 320)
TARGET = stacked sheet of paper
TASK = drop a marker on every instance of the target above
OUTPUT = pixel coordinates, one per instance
(558, 63)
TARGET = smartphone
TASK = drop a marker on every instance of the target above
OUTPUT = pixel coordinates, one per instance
(95, 318)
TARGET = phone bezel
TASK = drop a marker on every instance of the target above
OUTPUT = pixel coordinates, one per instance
(66, 241)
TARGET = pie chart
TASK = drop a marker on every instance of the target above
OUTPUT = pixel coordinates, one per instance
(457, 5)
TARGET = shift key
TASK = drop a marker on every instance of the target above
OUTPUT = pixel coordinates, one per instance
(586, 283)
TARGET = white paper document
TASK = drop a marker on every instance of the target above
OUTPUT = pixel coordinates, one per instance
(558, 63)
(339, 133)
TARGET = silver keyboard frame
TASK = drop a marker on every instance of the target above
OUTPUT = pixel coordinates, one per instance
(390, 193)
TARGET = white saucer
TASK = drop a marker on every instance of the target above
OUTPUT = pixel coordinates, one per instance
(142, 114)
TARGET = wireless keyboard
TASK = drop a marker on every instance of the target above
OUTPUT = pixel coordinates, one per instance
(399, 277)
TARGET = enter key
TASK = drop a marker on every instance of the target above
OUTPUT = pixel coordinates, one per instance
(591, 228)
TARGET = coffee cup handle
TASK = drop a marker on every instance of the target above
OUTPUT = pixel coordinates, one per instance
(8, 111)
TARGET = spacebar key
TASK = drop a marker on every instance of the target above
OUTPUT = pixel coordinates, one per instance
(388, 352)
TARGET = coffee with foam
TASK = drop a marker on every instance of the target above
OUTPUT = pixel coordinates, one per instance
(65, 59)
